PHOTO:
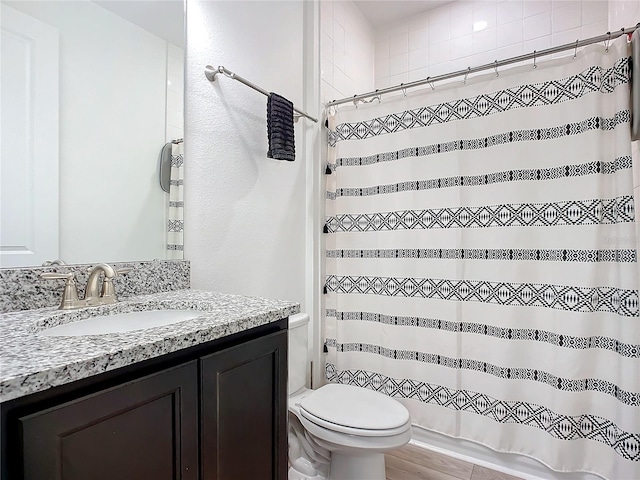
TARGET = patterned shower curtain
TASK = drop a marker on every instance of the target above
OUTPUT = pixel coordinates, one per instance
(175, 223)
(481, 260)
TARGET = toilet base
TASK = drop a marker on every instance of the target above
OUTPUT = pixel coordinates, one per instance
(294, 474)
(367, 466)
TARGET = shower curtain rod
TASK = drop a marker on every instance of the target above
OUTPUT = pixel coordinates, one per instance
(211, 72)
(494, 65)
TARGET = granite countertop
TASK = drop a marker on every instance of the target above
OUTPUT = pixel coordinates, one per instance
(30, 362)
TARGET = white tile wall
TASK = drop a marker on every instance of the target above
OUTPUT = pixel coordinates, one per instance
(623, 13)
(535, 7)
(347, 50)
(508, 12)
(442, 39)
(509, 33)
(536, 26)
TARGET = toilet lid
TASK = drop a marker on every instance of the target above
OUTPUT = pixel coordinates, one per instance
(355, 407)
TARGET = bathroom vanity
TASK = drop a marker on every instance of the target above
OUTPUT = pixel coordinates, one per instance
(199, 399)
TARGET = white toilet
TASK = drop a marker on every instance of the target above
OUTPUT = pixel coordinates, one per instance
(338, 432)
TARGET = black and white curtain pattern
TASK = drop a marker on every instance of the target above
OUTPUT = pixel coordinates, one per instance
(481, 260)
(175, 216)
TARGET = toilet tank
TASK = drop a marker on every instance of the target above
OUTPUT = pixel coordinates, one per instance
(298, 351)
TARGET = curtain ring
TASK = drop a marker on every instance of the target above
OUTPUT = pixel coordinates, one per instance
(430, 84)
(534, 60)
(403, 88)
(575, 51)
(495, 67)
(608, 41)
(464, 82)
(370, 99)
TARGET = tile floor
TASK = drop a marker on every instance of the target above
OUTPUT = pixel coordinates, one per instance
(415, 463)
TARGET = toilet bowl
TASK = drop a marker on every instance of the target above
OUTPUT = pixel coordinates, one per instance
(338, 432)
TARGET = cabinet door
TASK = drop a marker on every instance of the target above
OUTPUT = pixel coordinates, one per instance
(142, 430)
(244, 411)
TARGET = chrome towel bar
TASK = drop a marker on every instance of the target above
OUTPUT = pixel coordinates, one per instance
(211, 72)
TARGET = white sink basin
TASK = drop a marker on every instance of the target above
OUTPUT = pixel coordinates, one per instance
(120, 322)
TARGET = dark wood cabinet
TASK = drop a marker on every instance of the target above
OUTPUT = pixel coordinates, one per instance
(213, 412)
(242, 425)
(144, 429)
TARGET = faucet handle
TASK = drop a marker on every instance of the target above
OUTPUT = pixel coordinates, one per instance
(70, 293)
(50, 263)
(108, 291)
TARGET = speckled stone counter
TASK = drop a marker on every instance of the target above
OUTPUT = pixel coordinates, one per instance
(23, 289)
(30, 362)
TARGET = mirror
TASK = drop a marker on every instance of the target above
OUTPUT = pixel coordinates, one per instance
(91, 92)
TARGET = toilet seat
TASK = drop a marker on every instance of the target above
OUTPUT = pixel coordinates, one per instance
(342, 442)
(355, 411)
(354, 431)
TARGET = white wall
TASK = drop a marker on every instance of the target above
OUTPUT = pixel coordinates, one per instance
(244, 213)
(442, 40)
(347, 50)
(175, 93)
(623, 13)
(112, 126)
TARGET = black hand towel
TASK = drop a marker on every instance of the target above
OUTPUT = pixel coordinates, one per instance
(280, 128)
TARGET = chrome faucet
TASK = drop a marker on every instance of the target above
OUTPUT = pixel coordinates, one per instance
(70, 298)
